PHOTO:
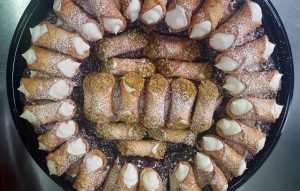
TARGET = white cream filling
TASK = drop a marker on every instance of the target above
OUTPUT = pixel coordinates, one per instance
(32, 73)
(42, 146)
(154, 149)
(59, 90)
(38, 31)
(212, 144)
(57, 5)
(29, 56)
(65, 130)
(234, 85)
(268, 50)
(255, 11)
(130, 177)
(80, 46)
(68, 67)
(204, 163)
(153, 15)
(227, 64)
(30, 117)
(260, 144)
(112, 25)
(276, 110)
(150, 180)
(66, 109)
(225, 187)
(221, 41)
(92, 31)
(240, 106)
(76, 147)
(242, 167)
(23, 90)
(176, 18)
(128, 88)
(133, 10)
(201, 29)
(93, 163)
(275, 81)
(229, 127)
(51, 167)
(181, 172)
(59, 21)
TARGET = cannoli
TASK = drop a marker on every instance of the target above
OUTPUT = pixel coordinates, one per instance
(112, 177)
(172, 48)
(129, 41)
(171, 135)
(78, 20)
(51, 89)
(153, 11)
(254, 109)
(205, 106)
(93, 171)
(131, 86)
(224, 156)
(251, 138)
(121, 66)
(97, 89)
(121, 131)
(51, 63)
(190, 70)
(245, 20)
(182, 178)
(207, 18)
(157, 88)
(57, 134)
(131, 9)
(179, 14)
(208, 173)
(150, 181)
(149, 148)
(246, 58)
(252, 84)
(128, 178)
(49, 36)
(40, 114)
(73, 170)
(60, 160)
(108, 13)
(183, 97)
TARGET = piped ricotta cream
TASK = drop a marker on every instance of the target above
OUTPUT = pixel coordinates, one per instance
(153, 15)
(130, 175)
(241, 106)
(212, 144)
(68, 67)
(93, 163)
(65, 130)
(76, 147)
(29, 56)
(38, 31)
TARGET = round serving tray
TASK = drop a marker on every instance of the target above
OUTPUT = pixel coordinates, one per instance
(36, 12)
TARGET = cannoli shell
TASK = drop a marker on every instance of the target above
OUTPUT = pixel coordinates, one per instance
(162, 186)
(121, 186)
(112, 178)
(149, 4)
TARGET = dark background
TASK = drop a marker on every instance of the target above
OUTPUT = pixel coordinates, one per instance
(19, 172)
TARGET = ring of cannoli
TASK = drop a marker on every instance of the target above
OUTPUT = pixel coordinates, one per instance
(108, 13)
(252, 84)
(41, 88)
(208, 173)
(223, 155)
(153, 11)
(253, 109)
(78, 20)
(97, 89)
(172, 48)
(49, 36)
(131, 9)
(154, 115)
(183, 97)
(121, 66)
(191, 70)
(246, 58)
(121, 131)
(249, 137)
(57, 134)
(129, 41)
(150, 181)
(44, 113)
(205, 106)
(67, 154)
(154, 149)
(183, 178)
(245, 20)
(179, 14)
(92, 172)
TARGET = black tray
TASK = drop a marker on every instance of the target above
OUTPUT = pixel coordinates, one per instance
(36, 12)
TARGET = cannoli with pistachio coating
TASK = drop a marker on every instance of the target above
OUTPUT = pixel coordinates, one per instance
(49, 36)
(149, 148)
(131, 9)
(153, 11)
(150, 180)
